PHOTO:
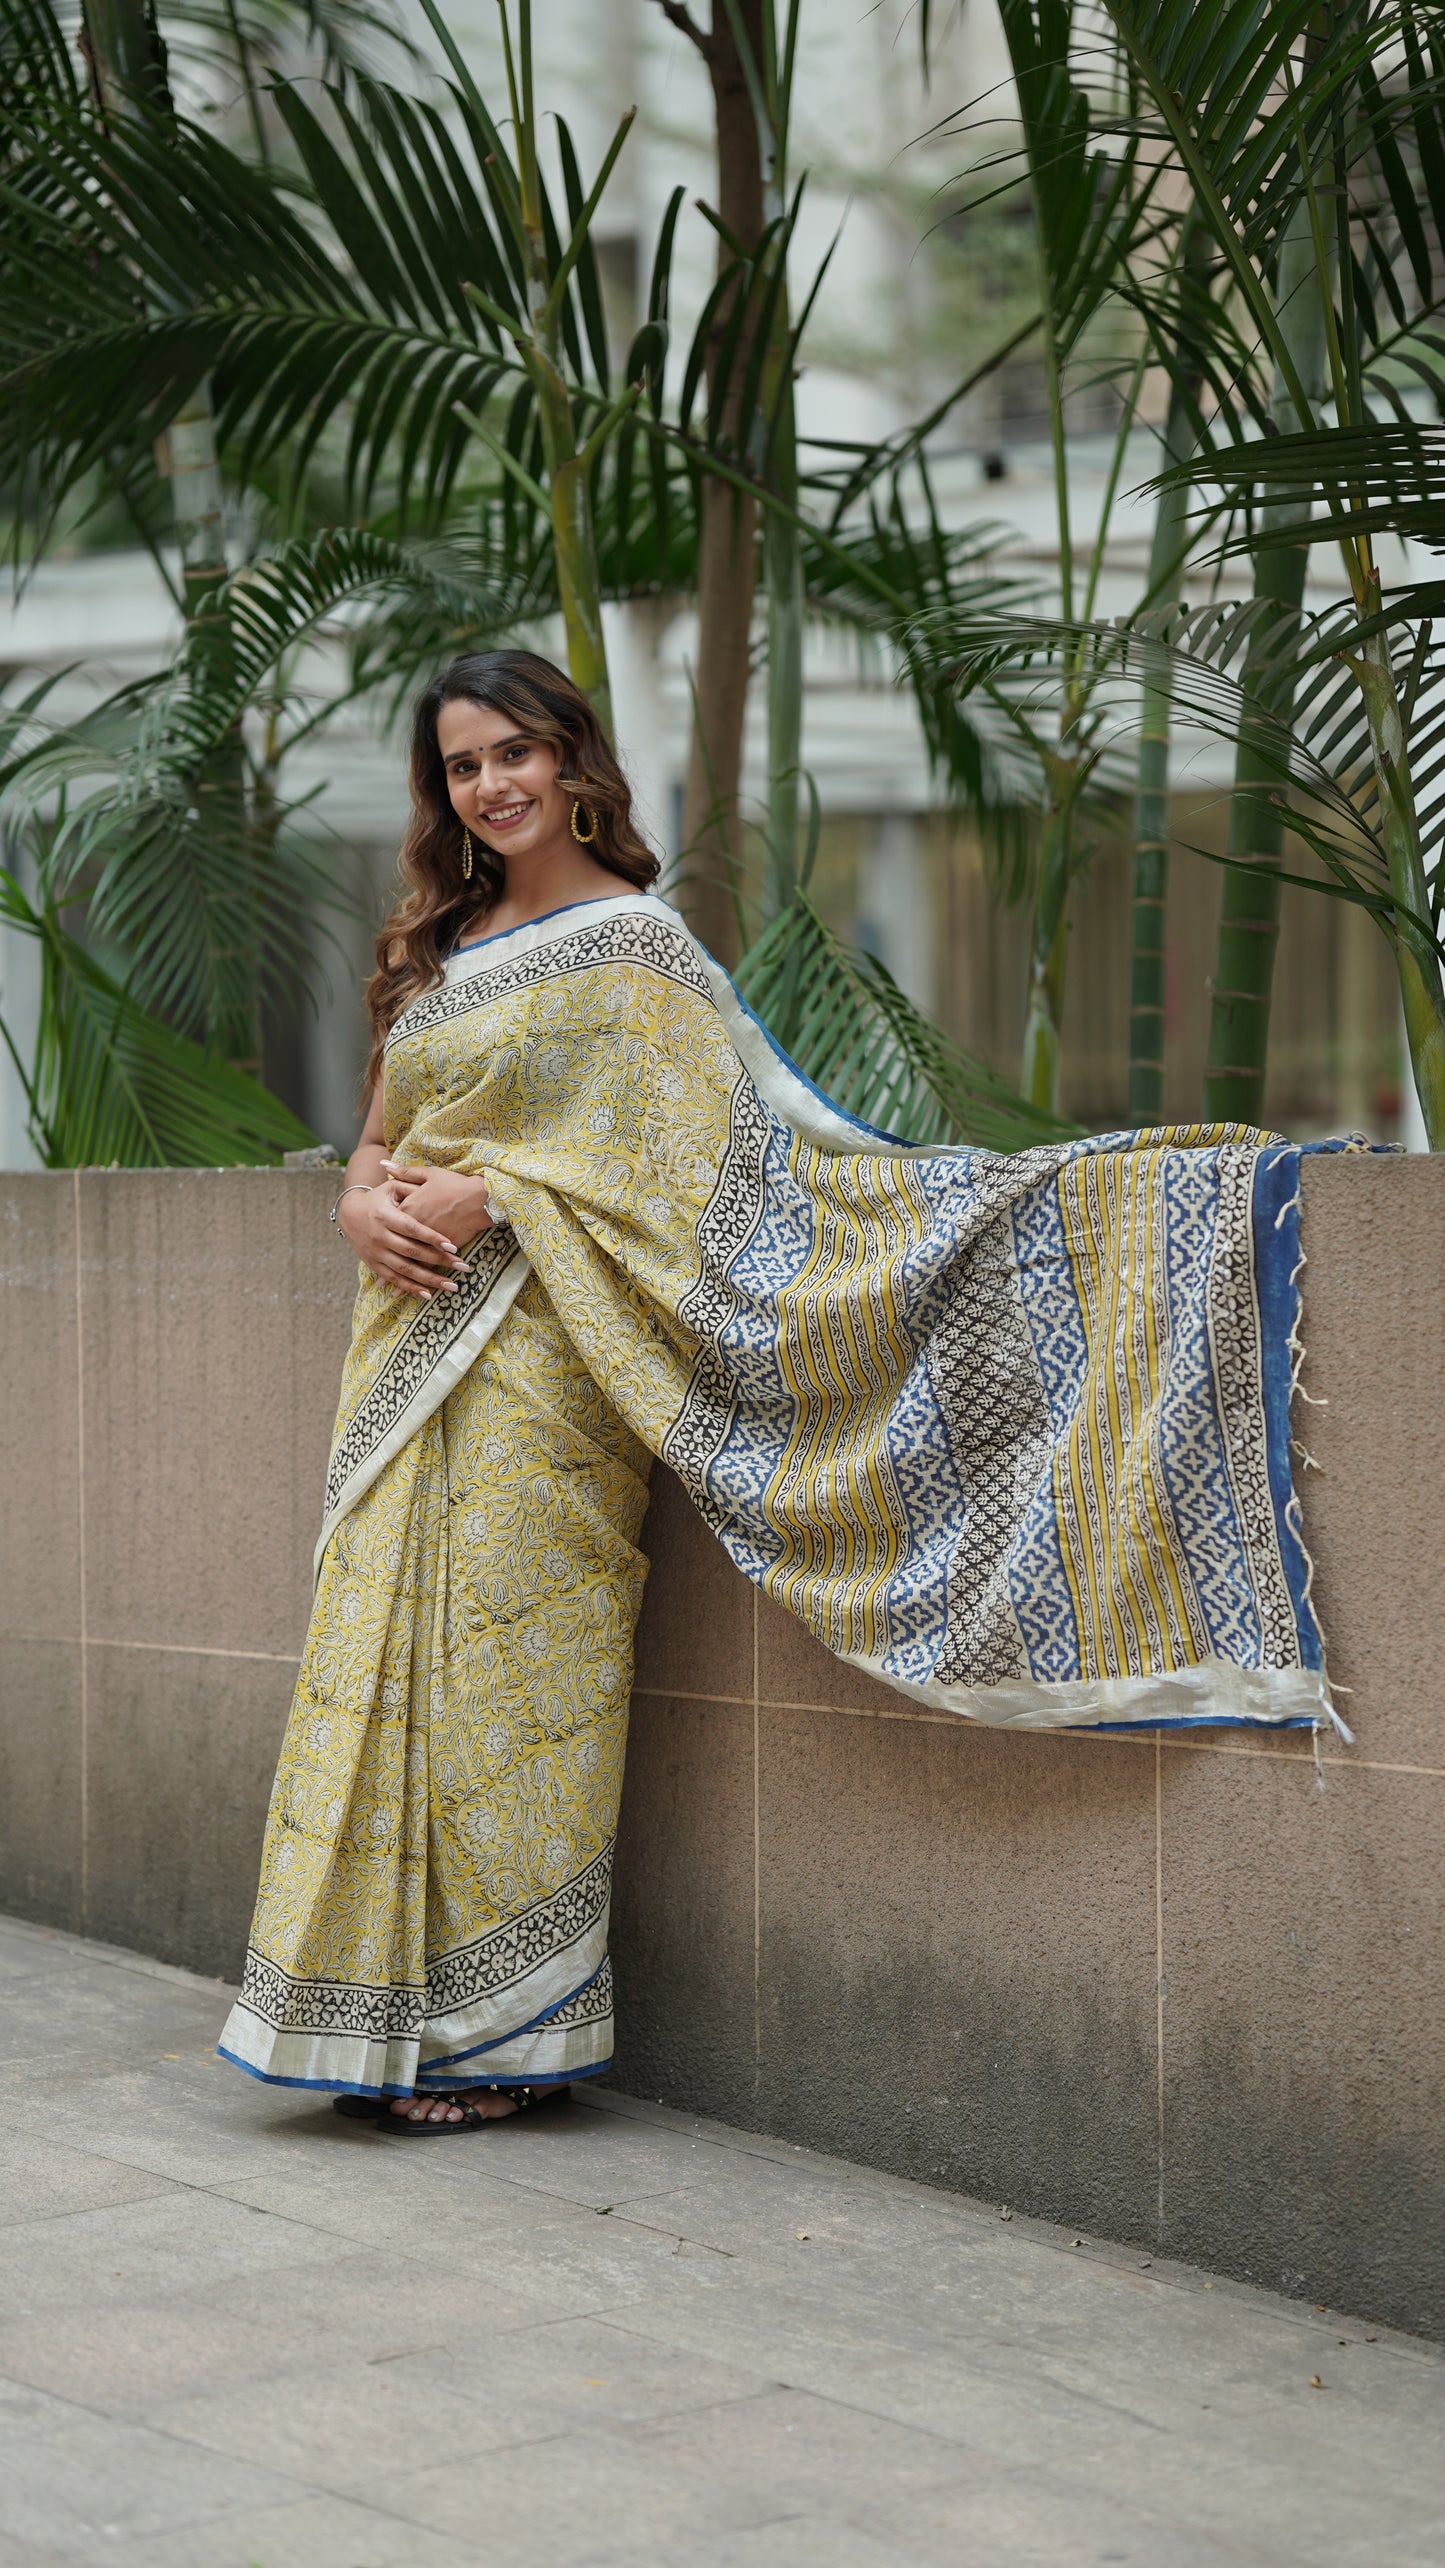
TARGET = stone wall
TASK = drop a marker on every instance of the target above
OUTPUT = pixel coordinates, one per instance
(1171, 1991)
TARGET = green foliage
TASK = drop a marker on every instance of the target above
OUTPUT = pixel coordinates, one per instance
(206, 902)
(385, 305)
(843, 1019)
(112, 1085)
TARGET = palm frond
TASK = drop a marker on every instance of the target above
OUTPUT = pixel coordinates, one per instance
(111, 1085)
(369, 298)
(1303, 710)
(139, 807)
(37, 68)
(898, 571)
(843, 1020)
(1387, 478)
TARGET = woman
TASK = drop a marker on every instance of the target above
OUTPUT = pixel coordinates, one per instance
(1011, 1434)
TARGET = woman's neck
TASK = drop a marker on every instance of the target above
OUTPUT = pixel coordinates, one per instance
(550, 880)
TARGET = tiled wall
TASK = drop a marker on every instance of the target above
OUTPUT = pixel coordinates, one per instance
(1172, 1991)
(169, 1354)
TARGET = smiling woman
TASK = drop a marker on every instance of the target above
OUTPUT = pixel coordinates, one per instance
(519, 808)
(1011, 1434)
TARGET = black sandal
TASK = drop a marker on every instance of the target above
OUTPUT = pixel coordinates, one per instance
(525, 2099)
(360, 2108)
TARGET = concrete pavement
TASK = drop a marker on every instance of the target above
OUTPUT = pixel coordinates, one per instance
(238, 2333)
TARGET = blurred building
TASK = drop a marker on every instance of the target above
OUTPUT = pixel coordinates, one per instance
(914, 294)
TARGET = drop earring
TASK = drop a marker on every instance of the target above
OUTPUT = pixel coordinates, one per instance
(584, 837)
(466, 855)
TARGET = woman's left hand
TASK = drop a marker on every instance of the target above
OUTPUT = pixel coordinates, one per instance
(443, 1199)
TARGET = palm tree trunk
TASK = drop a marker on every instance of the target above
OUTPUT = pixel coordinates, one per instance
(1421, 990)
(1151, 892)
(1249, 919)
(1048, 953)
(783, 558)
(727, 536)
(1049, 944)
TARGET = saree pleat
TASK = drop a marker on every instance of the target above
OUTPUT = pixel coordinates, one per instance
(1010, 1434)
(437, 1862)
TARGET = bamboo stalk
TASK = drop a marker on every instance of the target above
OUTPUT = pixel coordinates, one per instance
(783, 557)
(1049, 941)
(1148, 958)
(1167, 553)
(1421, 991)
(1243, 981)
(568, 462)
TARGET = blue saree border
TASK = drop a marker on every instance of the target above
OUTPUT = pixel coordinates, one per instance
(499, 2041)
(1278, 1265)
(872, 1132)
(342, 2086)
(318, 2086)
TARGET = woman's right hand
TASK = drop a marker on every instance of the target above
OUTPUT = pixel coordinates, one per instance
(400, 1250)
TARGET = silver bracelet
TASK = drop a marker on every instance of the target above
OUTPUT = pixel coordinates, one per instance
(355, 1188)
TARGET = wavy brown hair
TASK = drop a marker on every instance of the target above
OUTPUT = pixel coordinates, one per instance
(437, 906)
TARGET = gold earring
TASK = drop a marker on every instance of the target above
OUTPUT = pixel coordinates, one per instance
(584, 837)
(466, 855)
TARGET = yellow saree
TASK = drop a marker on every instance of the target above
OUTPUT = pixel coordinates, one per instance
(1012, 1434)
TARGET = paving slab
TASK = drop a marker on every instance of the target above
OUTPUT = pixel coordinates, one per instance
(238, 2332)
(317, 2532)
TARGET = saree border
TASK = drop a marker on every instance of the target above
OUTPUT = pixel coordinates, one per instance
(1215, 1693)
(539, 1976)
(648, 932)
(438, 1347)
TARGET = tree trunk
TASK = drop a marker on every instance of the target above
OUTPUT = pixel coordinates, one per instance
(727, 549)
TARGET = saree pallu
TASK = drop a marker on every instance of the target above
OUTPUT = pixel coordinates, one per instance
(1009, 1433)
